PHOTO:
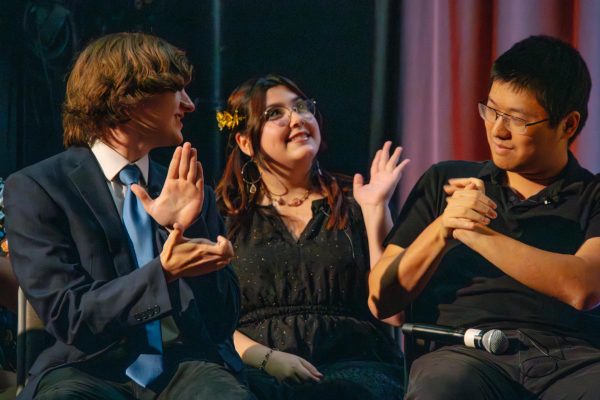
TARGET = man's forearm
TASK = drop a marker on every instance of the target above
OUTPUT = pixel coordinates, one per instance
(572, 279)
(401, 274)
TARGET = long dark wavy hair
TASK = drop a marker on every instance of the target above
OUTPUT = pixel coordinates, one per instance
(233, 194)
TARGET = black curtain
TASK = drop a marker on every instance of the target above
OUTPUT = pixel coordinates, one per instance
(326, 47)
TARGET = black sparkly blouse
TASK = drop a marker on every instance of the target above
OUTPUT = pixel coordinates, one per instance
(309, 296)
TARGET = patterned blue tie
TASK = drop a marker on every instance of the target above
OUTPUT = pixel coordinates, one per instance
(146, 367)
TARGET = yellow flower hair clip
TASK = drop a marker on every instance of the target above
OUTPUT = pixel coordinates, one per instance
(225, 119)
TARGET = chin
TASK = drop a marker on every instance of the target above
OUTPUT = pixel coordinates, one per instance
(309, 156)
(175, 139)
(503, 162)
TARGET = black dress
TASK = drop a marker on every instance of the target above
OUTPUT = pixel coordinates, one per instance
(309, 297)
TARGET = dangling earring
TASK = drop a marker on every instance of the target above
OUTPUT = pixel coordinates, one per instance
(251, 183)
(317, 169)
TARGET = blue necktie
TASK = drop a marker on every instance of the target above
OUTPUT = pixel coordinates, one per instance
(146, 367)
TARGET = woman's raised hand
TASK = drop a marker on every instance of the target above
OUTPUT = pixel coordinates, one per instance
(386, 171)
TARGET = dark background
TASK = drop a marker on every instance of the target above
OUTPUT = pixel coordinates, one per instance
(333, 49)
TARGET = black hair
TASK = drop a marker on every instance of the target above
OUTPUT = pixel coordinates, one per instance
(553, 71)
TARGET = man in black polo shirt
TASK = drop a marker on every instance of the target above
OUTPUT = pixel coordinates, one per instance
(512, 243)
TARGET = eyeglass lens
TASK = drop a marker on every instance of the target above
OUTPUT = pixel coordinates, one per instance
(282, 114)
(511, 123)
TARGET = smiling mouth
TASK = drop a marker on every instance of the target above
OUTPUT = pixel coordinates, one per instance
(501, 149)
(299, 137)
(179, 119)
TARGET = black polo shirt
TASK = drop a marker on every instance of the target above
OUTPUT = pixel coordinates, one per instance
(467, 290)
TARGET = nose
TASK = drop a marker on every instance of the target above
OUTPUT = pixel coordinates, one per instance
(499, 127)
(186, 103)
(296, 118)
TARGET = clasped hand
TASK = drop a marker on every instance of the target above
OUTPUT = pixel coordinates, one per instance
(468, 207)
(182, 195)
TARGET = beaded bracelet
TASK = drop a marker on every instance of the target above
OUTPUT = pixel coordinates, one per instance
(264, 362)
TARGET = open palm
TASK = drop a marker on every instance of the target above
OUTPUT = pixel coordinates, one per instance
(385, 172)
(182, 195)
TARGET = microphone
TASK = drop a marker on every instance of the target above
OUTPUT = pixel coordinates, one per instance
(493, 341)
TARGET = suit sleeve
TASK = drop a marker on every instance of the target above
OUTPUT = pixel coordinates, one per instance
(88, 307)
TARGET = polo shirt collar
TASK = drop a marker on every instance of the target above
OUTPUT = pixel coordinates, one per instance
(571, 172)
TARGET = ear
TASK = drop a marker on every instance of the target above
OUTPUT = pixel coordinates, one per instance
(570, 123)
(245, 144)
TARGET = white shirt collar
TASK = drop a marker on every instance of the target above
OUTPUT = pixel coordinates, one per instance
(111, 162)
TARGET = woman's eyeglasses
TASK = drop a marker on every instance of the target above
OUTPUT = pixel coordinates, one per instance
(281, 115)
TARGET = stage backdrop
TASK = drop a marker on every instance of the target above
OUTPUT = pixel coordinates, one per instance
(408, 70)
(446, 50)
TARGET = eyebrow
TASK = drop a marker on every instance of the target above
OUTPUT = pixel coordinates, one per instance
(282, 104)
(511, 110)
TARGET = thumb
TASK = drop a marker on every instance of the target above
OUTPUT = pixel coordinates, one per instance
(450, 189)
(221, 239)
(175, 237)
(143, 196)
(178, 228)
(358, 181)
(225, 246)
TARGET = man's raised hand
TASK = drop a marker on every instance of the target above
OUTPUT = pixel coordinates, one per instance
(182, 257)
(182, 195)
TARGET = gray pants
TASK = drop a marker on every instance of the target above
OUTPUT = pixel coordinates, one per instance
(538, 366)
(191, 380)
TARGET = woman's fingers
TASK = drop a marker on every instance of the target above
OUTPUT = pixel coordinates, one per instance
(358, 182)
(375, 163)
(400, 167)
(314, 372)
(394, 158)
(385, 155)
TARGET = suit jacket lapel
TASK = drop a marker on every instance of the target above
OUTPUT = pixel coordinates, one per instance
(156, 180)
(91, 184)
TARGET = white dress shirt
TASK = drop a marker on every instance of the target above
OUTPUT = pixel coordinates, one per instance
(111, 163)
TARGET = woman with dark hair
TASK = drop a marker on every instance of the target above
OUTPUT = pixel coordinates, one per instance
(301, 253)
